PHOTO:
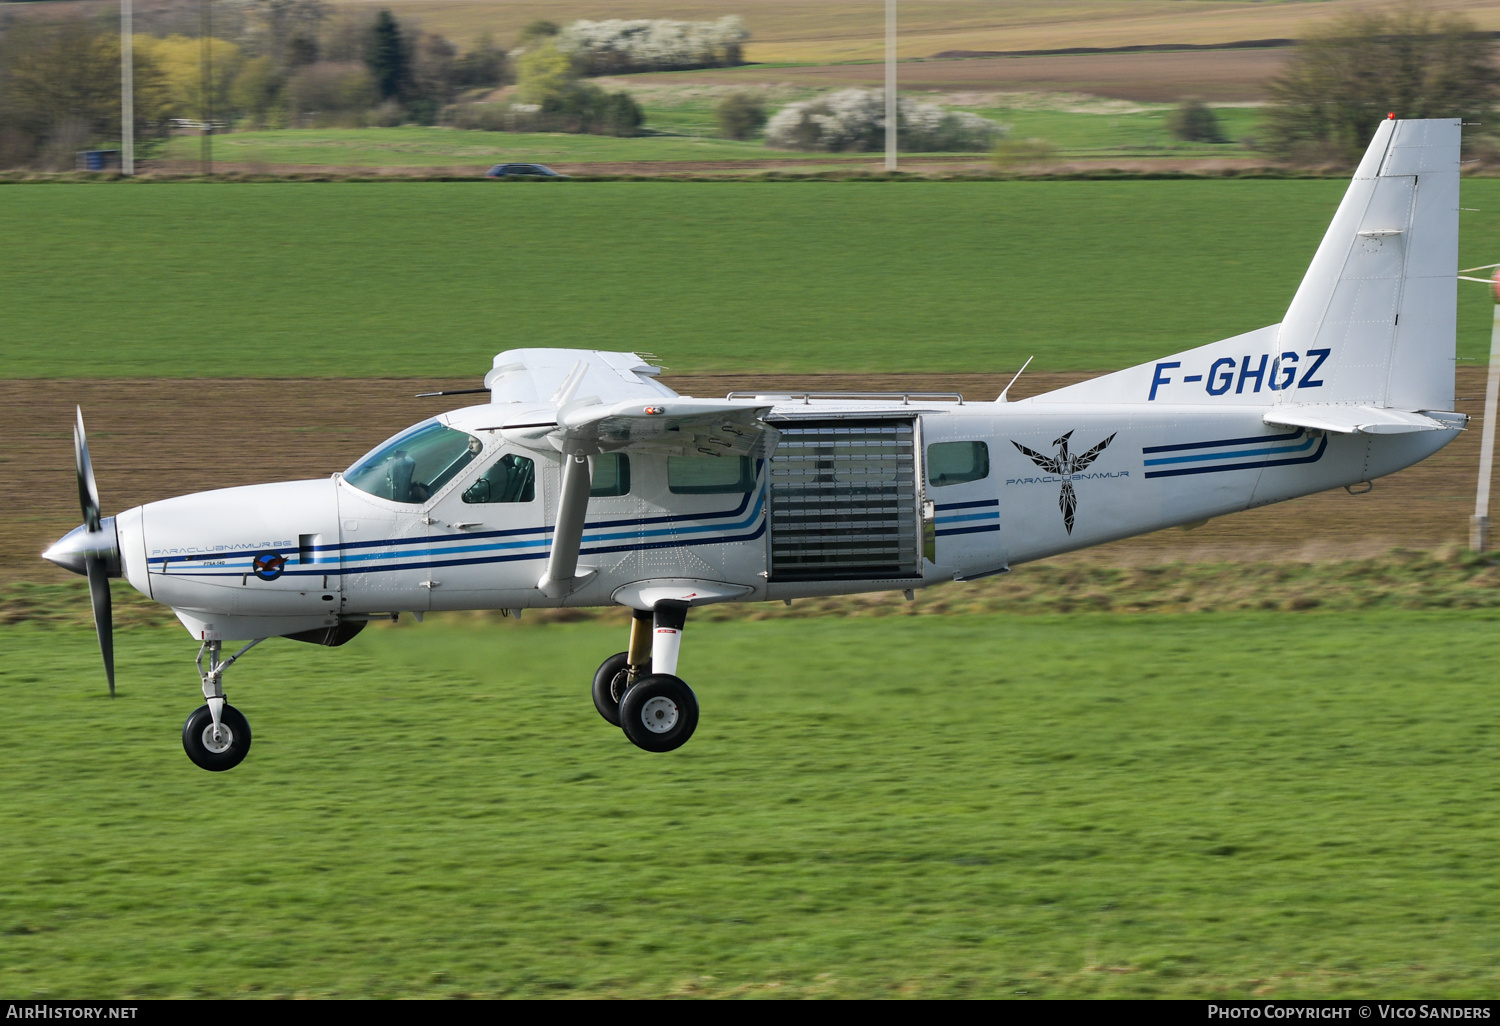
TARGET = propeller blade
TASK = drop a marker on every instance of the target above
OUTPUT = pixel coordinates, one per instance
(104, 621)
(88, 490)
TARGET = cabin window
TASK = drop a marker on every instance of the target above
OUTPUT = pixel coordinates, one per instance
(415, 464)
(710, 475)
(611, 475)
(511, 478)
(951, 463)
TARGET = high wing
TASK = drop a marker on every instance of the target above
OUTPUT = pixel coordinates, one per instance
(675, 427)
(537, 375)
(608, 402)
(589, 401)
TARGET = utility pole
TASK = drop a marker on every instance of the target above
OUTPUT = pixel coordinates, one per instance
(127, 88)
(891, 109)
(1479, 523)
(206, 30)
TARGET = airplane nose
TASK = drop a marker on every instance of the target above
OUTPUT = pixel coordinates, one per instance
(72, 550)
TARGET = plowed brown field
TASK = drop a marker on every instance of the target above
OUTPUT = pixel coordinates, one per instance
(1219, 76)
(151, 439)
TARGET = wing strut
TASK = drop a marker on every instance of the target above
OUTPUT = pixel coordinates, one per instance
(562, 563)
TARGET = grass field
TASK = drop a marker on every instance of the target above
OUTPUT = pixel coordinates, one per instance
(1078, 125)
(1172, 805)
(1132, 131)
(686, 130)
(416, 146)
(413, 279)
(1444, 577)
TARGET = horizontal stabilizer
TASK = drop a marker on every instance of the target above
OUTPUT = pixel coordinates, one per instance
(1349, 420)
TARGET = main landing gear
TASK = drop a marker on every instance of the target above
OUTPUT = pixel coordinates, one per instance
(217, 735)
(639, 691)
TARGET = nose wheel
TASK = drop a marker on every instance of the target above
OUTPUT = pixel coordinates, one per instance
(639, 690)
(217, 735)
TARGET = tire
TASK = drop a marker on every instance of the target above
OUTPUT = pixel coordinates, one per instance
(609, 686)
(200, 747)
(660, 713)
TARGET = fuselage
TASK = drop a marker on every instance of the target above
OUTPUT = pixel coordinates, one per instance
(856, 496)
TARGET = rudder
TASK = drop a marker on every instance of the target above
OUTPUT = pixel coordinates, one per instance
(1381, 293)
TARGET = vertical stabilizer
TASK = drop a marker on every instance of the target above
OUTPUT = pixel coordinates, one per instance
(1380, 297)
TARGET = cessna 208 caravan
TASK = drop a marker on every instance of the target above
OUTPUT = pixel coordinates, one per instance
(584, 481)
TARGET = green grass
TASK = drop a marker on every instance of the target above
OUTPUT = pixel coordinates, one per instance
(390, 279)
(1173, 805)
(418, 147)
(1134, 134)
(683, 129)
(1446, 578)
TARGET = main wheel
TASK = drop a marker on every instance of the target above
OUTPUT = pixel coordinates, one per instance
(221, 753)
(609, 686)
(660, 713)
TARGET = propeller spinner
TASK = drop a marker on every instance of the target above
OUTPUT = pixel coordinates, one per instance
(92, 549)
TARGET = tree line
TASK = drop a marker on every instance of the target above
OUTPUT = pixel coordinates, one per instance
(1343, 78)
(301, 63)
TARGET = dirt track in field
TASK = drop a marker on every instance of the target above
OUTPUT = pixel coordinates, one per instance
(1218, 76)
(151, 439)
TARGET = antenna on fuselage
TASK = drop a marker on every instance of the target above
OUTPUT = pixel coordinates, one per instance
(1004, 392)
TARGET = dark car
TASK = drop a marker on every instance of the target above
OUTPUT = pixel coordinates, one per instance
(522, 171)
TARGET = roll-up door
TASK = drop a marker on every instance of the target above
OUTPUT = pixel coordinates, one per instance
(844, 501)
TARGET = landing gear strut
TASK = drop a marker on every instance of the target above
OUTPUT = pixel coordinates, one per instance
(217, 735)
(656, 709)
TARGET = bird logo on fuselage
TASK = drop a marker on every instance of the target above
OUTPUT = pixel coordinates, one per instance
(1065, 466)
(268, 565)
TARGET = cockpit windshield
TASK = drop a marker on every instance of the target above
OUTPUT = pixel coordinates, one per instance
(416, 463)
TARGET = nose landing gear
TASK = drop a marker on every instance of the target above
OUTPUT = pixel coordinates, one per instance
(639, 691)
(217, 735)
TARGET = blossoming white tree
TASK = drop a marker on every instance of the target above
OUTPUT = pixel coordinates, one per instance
(617, 46)
(853, 120)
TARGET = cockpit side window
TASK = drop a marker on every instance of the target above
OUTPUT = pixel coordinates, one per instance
(414, 465)
(511, 478)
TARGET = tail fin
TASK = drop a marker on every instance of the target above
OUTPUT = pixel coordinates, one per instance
(1373, 322)
(1380, 294)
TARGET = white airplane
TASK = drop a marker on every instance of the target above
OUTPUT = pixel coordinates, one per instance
(584, 481)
